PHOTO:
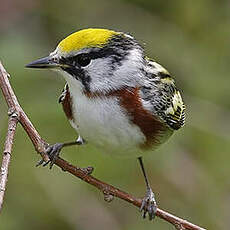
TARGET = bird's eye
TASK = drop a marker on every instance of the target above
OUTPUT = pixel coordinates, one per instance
(83, 59)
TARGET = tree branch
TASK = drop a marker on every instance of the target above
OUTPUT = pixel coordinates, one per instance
(40, 145)
(7, 155)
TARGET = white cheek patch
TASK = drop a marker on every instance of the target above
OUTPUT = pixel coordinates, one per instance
(105, 78)
(99, 69)
(129, 72)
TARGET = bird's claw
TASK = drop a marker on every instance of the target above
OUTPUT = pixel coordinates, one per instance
(53, 152)
(149, 205)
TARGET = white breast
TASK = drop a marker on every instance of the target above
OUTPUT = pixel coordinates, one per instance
(102, 122)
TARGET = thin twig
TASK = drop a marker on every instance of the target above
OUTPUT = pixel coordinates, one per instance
(40, 145)
(7, 156)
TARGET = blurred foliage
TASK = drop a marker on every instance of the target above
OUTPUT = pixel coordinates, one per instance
(189, 174)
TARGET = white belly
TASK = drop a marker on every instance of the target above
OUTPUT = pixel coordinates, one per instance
(102, 123)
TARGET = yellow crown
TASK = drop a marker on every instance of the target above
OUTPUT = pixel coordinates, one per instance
(86, 38)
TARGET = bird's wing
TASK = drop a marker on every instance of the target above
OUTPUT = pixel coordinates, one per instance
(161, 97)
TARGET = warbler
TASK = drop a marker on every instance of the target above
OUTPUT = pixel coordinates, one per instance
(115, 97)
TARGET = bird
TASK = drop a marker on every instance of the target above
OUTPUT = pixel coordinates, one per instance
(115, 97)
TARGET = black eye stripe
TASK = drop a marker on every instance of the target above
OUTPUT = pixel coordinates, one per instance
(81, 59)
(84, 59)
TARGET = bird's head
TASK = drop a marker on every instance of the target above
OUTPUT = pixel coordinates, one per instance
(96, 60)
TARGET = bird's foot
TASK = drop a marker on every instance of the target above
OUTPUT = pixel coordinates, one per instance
(149, 205)
(53, 152)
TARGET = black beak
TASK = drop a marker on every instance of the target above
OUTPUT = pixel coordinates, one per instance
(46, 62)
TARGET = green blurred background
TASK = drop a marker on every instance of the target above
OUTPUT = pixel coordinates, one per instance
(189, 174)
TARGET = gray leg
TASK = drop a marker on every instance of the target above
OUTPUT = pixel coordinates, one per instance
(148, 203)
(53, 151)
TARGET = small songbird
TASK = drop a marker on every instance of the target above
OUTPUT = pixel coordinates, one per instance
(115, 97)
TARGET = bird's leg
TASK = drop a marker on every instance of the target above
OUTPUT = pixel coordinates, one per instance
(149, 204)
(53, 151)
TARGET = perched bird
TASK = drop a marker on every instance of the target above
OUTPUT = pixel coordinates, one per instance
(115, 97)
